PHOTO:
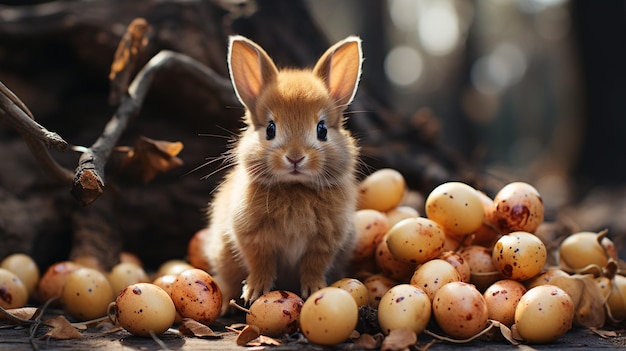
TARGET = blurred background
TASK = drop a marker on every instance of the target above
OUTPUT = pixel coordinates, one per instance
(485, 91)
(531, 87)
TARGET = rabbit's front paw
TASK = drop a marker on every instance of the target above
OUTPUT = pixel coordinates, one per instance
(253, 288)
(309, 287)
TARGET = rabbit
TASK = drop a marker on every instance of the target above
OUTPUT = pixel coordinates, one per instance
(283, 215)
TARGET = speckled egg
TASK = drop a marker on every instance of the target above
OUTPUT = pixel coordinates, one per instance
(377, 285)
(275, 313)
(456, 206)
(502, 298)
(434, 274)
(404, 306)
(382, 190)
(544, 314)
(196, 295)
(416, 240)
(329, 316)
(518, 207)
(86, 294)
(370, 226)
(356, 288)
(519, 255)
(143, 308)
(13, 293)
(460, 310)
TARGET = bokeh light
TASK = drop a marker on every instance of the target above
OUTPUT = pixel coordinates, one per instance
(403, 65)
(437, 26)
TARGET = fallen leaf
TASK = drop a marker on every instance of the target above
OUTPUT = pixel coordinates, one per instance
(399, 339)
(587, 297)
(149, 157)
(604, 333)
(28, 313)
(190, 327)
(61, 329)
(263, 340)
(249, 333)
(368, 342)
(506, 332)
(515, 334)
(237, 327)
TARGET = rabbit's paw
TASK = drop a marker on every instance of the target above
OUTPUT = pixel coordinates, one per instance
(309, 287)
(253, 288)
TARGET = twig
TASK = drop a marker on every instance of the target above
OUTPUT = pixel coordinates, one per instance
(38, 138)
(88, 183)
(22, 120)
(38, 322)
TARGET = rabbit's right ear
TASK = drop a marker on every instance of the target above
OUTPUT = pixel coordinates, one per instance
(340, 69)
(250, 69)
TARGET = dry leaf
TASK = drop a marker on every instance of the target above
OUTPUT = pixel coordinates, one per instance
(28, 313)
(368, 342)
(604, 333)
(149, 157)
(505, 331)
(515, 334)
(249, 333)
(587, 298)
(236, 327)
(190, 327)
(61, 329)
(399, 339)
(264, 341)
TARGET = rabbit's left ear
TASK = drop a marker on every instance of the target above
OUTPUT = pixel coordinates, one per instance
(251, 70)
(340, 69)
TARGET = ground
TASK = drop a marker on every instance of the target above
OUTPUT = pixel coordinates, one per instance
(17, 339)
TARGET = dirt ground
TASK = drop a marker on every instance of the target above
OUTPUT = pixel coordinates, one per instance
(18, 339)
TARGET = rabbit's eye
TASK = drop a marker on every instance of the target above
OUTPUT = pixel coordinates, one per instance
(270, 131)
(322, 131)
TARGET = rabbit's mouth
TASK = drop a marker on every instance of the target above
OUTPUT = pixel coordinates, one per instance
(297, 173)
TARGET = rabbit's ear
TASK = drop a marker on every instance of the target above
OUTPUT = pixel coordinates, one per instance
(340, 69)
(251, 69)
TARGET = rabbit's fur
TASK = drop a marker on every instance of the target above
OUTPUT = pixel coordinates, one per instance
(283, 217)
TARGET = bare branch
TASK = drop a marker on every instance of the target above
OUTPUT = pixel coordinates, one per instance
(88, 181)
(20, 117)
(38, 138)
(168, 60)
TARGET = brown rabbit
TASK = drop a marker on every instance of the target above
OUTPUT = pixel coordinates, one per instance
(283, 217)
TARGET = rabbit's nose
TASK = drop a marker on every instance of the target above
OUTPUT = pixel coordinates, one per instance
(295, 161)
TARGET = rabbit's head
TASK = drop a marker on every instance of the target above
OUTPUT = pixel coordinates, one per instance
(295, 117)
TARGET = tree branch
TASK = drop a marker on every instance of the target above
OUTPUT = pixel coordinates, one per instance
(38, 138)
(88, 182)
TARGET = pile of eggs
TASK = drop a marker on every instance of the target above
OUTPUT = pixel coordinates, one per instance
(470, 260)
(125, 294)
(473, 259)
